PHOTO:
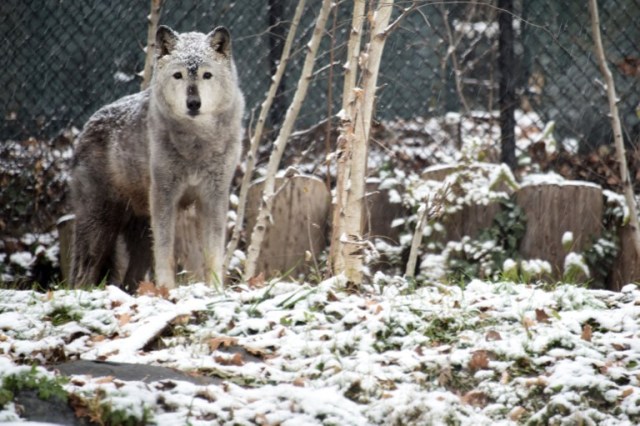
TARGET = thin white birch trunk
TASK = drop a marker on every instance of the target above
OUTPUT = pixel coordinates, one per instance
(350, 242)
(262, 222)
(257, 135)
(153, 18)
(346, 116)
(615, 124)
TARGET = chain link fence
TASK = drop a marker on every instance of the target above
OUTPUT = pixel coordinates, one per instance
(63, 60)
(440, 72)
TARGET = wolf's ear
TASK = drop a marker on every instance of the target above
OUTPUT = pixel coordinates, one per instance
(220, 40)
(166, 40)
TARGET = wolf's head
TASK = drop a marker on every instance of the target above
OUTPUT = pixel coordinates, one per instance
(194, 75)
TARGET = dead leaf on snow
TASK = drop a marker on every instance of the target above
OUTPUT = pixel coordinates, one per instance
(445, 376)
(80, 408)
(479, 360)
(516, 413)
(225, 342)
(259, 352)
(256, 281)
(147, 288)
(625, 393)
(475, 398)
(236, 359)
(536, 381)
(621, 346)
(105, 379)
(123, 319)
(542, 316)
(492, 335)
(586, 332)
(181, 319)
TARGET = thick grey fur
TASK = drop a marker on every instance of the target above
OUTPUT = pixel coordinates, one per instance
(141, 158)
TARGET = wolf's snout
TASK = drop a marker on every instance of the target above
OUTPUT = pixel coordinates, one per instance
(193, 104)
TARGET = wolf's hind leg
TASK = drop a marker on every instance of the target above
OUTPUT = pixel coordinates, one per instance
(137, 237)
(93, 252)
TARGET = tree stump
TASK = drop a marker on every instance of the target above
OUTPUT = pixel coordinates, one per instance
(626, 267)
(299, 221)
(380, 213)
(553, 209)
(472, 219)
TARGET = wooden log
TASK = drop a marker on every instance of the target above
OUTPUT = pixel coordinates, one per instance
(380, 213)
(299, 222)
(471, 219)
(553, 209)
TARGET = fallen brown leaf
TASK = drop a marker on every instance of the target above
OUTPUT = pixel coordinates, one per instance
(492, 335)
(236, 359)
(516, 413)
(216, 342)
(586, 332)
(479, 360)
(257, 281)
(626, 393)
(105, 379)
(147, 288)
(542, 316)
(123, 319)
(475, 398)
(181, 319)
(445, 376)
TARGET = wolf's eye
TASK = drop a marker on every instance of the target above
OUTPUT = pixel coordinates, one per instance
(177, 75)
(207, 75)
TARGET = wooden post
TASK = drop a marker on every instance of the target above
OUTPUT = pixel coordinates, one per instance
(507, 83)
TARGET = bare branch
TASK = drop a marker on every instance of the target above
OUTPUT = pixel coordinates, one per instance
(259, 230)
(627, 187)
(154, 17)
(257, 135)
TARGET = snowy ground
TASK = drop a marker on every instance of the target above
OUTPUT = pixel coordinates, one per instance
(292, 354)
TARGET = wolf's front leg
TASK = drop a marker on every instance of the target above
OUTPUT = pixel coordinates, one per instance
(213, 216)
(163, 224)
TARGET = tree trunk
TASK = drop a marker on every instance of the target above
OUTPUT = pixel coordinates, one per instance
(153, 18)
(257, 135)
(350, 242)
(253, 252)
(346, 115)
(627, 187)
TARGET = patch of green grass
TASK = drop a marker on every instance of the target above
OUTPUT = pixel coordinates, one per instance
(62, 315)
(46, 387)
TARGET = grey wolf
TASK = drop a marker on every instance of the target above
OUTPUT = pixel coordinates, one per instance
(142, 158)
